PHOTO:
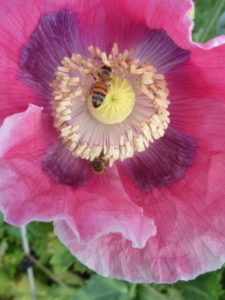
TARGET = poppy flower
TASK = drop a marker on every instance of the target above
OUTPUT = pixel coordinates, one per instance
(112, 126)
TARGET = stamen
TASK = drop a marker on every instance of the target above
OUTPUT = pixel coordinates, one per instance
(108, 106)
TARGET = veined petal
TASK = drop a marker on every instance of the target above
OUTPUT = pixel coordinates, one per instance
(169, 15)
(164, 163)
(216, 41)
(201, 77)
(65, 168)
(16, 24)
(15, 96)
(19, 19)
(202, 119)
(93, 214)
(26, 192)
(189, 219)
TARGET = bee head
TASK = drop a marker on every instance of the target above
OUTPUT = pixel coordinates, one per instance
(106, 68)
(105, 73)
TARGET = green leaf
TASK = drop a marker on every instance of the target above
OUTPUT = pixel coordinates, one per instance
(148, 292)
(11, 261)
(42, 239)
(78, 267)
(61, 259)
(220, 28)
(21, 289)
(100, 288)
(219, 5)
(6, 286)
(205, 287)
(207, 14)
(175, 294)
(3, 248)
(13, 233)
(58, 293)
(1, 226)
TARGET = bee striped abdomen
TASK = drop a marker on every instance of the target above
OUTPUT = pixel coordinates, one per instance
(98, 91)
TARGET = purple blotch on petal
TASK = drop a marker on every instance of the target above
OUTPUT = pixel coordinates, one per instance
(163, 163)
(52, 40)
(156, 47)
(64, 168)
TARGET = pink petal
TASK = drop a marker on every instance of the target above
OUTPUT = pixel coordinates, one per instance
(18, 19)
(217, 41)
(170, 15)
(189, 216)
(26, 192)
(162, 164)
(71, 5)
(15, 96)
(96, 212)
(169, 234)
(156, 47)
(201, 77)
(123, 21)
(203, 119)
(190, 231)
(64, 168)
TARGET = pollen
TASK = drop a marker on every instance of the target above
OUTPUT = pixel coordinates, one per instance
(109, 105)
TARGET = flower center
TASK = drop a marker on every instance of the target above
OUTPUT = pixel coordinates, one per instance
(118, 102)
(106, 107)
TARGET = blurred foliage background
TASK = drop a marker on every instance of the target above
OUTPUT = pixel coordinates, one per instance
(59, 276)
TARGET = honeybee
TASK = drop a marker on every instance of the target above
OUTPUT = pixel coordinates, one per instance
(100, 88)
(99, 164)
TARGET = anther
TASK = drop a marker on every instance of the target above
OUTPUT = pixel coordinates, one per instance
(141, 120)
